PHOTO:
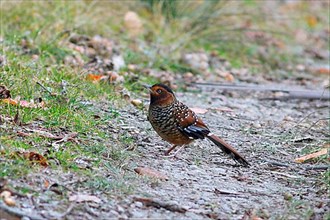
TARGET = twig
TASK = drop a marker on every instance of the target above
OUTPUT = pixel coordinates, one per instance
(160, 204)
(290, 93)
(303, 119)
(4, 209)
(64, 87)
(276, 163)
(72, 205)
(223, 192)
(296, 165)
(321, 119)
(49, 135)
(67, 137)
(285, 174)
(318, 167)
(47, 90)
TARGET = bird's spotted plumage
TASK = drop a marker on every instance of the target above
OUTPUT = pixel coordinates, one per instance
(179, 125)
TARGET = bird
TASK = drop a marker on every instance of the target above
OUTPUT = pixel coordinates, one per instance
(174, 122)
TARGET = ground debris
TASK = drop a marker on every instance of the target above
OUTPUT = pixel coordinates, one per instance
(302, 159)
(145, 171)
(15, 213)
(159, 204)
(33, 157)
(84, 198)
(225, 192)
(4, 92)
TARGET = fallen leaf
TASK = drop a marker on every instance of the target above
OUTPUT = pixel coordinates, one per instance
(3, 181)
(9, 201)
(311, 21)
(4, 92)
(160, 204)
(199, 110)
(84, 198)
(24, 103)
(323, 70)
(16, 118)
(46, 184)
(5, 194)
(311, 156)
(7, 198)
(33, 157)
(145, 171)
(10, 101)
(94, 77)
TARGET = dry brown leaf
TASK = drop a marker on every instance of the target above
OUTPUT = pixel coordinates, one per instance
(311, 156)
(33, 157)
(145, 171)
(94, 77)
(24, 103)
(229, 77)
(16, 118)
(199, 110)
(323, 70)
(84, 198)
(5, 194)
(10, 101)
(46, 184)
(7, 198)
(311, 21)
(4, 92)
(9, 201)
(160, 204)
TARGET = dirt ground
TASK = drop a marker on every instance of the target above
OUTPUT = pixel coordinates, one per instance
(269, 133)
(202, 182)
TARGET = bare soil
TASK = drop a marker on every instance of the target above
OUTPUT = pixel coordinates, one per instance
(203, 183)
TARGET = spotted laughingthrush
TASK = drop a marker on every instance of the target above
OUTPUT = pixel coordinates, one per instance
(177, 124)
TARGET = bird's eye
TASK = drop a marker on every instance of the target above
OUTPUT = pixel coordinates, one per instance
(159, 91)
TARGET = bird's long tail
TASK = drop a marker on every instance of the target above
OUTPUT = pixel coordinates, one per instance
(228, 149)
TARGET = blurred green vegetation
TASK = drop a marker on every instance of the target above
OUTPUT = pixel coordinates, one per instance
(243, 32)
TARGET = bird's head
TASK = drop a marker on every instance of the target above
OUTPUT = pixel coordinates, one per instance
(160, 94)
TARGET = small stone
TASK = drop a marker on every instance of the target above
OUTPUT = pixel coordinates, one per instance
(300, 67)
(5, 194)
(133, 23)
(288, 118)
(137, 102)
(118, 62)
(131, 67)
(200, 202)
(256, 125)
(9, 201)
(138, 204)
(120, 209)
(287, 196)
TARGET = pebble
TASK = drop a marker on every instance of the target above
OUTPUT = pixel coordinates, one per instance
(136, 102)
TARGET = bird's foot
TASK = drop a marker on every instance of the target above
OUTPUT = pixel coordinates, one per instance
(167, 153)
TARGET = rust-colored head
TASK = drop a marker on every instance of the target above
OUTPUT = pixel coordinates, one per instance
(160, 94)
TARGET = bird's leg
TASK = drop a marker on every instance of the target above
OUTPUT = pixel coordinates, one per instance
(170, 150)
(175, 153)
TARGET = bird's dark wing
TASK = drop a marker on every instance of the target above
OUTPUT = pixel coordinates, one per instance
(189, 123)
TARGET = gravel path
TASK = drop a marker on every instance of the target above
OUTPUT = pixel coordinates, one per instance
(271, 134)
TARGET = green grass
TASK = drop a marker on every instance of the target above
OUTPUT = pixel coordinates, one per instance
(36, 32)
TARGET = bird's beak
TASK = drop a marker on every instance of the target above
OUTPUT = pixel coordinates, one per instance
(148, 87)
